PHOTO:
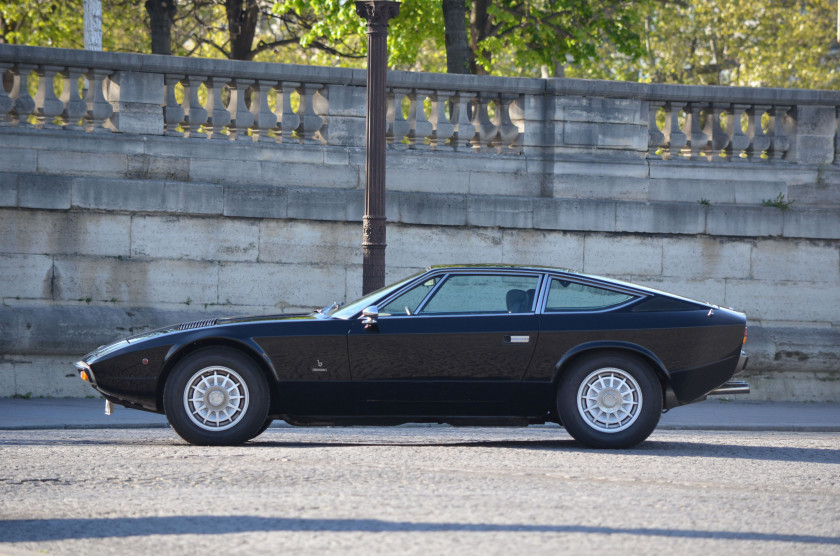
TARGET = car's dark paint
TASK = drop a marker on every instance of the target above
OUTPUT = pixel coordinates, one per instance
(459, 369)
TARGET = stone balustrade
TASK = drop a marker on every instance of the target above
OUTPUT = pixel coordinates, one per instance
(278, 103)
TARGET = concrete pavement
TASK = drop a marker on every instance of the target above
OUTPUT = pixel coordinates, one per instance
(88, 413)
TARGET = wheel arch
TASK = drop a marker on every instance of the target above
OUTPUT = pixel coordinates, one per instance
(250, 349)
(571, 357)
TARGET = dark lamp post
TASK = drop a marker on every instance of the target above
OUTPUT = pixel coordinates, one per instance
(377, 13)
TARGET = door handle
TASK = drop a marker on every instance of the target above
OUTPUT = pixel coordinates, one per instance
(517, 339)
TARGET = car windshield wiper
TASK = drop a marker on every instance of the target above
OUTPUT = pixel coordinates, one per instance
(325, 311)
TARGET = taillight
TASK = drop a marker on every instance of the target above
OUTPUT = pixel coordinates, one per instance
(745, 336)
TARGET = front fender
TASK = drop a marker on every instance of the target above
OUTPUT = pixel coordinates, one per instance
(248, 345)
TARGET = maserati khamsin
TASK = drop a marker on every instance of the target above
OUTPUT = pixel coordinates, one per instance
(464, 345)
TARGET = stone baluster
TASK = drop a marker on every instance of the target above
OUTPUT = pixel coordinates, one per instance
(173, 112)
(264, 118)
(779, 141)
(6, 101)
(675, 139)
(47, 105)
(240, 116)
(718, 139)
(738, 140)
(310, 122)
(398, 126)
(287, 120)
(486, 132)
(464, 129)
(99, 110)
(698, 141)
(759, 141)
(837, 136)
(656, 138)
(443, 128)
(516, 111)
(420, 126)
(23, 104)
(74, 108)
(195, 115)
(508, 131)
(218, 116)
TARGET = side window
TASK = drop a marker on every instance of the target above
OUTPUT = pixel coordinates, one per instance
(569, 296)
(407, 303)
(483, 293)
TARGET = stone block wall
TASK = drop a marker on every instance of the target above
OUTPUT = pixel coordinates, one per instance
(105, 234)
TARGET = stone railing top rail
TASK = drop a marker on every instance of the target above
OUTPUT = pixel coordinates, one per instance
(151, 63)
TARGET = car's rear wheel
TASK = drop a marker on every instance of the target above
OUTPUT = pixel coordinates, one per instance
(216, 396)
(610, 400)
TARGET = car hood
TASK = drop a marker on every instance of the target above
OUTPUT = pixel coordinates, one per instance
(207, 323)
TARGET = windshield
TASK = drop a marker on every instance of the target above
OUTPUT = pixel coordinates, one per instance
(352, 309)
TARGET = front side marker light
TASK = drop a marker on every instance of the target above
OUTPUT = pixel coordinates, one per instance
(84, 376)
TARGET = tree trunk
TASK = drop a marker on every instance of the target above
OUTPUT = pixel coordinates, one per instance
(242, 18)
(457, 45)
(480, 29)
(161, 14)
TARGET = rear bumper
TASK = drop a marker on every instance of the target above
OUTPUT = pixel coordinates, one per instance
(742, 363)
(733, 387)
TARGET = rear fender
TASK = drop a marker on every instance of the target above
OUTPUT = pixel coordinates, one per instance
(669, 398)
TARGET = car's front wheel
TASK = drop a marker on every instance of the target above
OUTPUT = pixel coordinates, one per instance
(216, 396)
(609, 400)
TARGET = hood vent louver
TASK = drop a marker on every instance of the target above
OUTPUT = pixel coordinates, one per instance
(196, 324)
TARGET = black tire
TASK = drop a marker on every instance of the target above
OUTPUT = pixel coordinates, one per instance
(263, 428)
(216, 397)
(609, 400)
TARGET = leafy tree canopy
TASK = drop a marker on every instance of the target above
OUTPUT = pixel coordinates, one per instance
(769, 43)
(507, 37)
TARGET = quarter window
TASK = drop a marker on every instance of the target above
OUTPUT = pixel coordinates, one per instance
(570, 296)
(483, 293)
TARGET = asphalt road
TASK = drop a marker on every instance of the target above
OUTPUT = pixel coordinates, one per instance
(418, 490)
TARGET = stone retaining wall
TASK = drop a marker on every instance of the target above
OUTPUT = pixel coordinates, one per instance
(111, 232)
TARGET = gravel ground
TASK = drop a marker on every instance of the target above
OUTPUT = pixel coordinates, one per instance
(418, 490)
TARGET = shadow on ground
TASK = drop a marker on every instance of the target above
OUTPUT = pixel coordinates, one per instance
(102, 528)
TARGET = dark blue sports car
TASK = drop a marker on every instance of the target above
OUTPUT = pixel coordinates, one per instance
(465, 345)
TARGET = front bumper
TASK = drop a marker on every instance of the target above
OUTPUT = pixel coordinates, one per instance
(85, 372)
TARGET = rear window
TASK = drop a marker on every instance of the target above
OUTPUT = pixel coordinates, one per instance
(564, 295)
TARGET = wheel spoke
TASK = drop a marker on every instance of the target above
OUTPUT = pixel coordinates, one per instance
(216, 398)
(609, 399)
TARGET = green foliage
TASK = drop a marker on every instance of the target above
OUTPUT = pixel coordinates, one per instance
(778, 43)
(520, 38)
(60, 24)
(778, 202)
(38, 22)
(335, 35)
(783, 43)
(537, 35)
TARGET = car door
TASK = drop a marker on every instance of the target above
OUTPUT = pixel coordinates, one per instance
(453, 345)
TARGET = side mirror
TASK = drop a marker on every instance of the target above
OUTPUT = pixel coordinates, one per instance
(369, 316)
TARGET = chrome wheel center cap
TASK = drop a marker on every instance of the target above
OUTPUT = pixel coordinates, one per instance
(216, 398)
(609, 399)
